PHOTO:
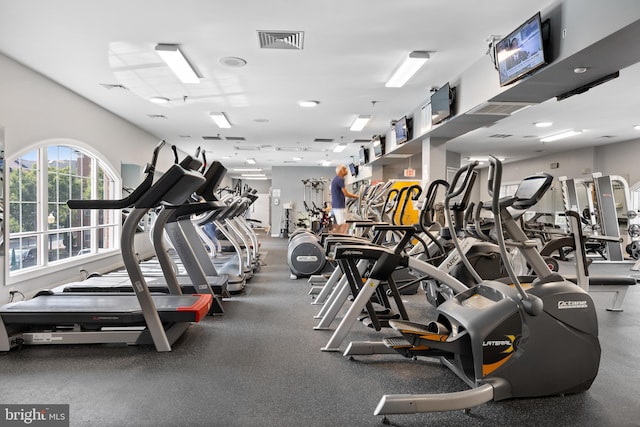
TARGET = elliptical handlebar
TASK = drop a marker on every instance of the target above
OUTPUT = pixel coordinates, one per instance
(410, 190)
(426, 212)
(454, 190)
(531, 304)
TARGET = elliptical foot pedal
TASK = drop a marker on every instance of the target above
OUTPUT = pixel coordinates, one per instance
(397, 342)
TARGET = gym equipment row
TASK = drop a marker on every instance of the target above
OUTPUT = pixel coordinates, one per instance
(543, 309)
(137, 309)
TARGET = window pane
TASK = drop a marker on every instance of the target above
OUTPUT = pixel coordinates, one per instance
(28, 217)
(23, 253)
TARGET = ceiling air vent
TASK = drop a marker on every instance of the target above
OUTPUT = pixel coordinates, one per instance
(235, 138)
(500, 135)
(361, 141)
(156, 116)
(212, 138)
(289, 149)
(323, 140)
(281, 39)
(499, 108)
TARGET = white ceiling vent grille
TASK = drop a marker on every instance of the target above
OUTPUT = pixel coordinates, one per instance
(499, 108)
(246, 148)
(281, 39)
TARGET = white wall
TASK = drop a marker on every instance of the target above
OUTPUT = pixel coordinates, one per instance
(288, 181)
(33, 109)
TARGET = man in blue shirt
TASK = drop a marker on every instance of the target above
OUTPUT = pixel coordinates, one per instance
(338, 196)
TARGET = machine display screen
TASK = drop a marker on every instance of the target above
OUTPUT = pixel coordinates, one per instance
(477, 301)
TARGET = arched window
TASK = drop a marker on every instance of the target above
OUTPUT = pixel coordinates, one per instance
(42, 228)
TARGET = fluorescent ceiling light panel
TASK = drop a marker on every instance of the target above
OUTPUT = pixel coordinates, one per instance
(308, 104)
(221, 120)
(251, 161)
(171, 54)
(543, 124)
(561, 135)
(247, 170)
(484, 159)
(158, 99)
(253, 175)
(326, 163)
(408, 68)
(359, 123)
(340, 148)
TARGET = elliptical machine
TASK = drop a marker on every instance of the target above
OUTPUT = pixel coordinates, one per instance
(506, 340)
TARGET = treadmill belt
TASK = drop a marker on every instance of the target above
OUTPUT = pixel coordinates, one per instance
(103, 309)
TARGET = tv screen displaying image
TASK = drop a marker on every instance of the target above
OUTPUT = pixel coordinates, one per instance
(378, 145)
(353, 169)
(441, 104)
(402, 130)
(363, 156)
(521, 52)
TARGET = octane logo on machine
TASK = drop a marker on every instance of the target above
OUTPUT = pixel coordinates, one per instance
(564, 305)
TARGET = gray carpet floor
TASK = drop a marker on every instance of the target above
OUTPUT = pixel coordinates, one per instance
(260, 365)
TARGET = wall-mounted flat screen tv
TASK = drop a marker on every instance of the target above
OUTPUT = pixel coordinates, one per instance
(403, 130)
(442, 102)
(521, 52)
(378, 145)
(353, 169)
(363, 156)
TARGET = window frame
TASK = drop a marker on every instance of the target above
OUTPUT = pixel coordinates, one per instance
(106, 226)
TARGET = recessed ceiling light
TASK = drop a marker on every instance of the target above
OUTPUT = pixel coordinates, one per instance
(637, 127)
(233, 62)
(542, 124)
(580, 70)
(309, 103)
(158, 99)
(297, 158)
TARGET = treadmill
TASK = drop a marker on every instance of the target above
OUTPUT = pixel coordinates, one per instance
(202, 275)
(92, 318)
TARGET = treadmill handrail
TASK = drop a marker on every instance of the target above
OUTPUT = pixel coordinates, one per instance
(131, 198)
